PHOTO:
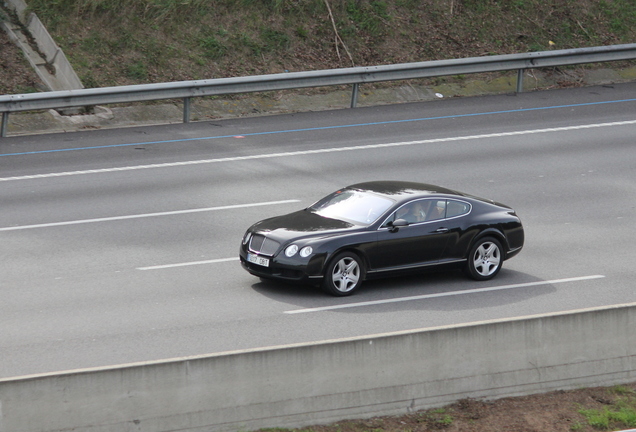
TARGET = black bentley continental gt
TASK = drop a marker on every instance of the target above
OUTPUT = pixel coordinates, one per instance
(380, 228)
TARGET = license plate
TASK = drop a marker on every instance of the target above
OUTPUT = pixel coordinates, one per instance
(258, 260)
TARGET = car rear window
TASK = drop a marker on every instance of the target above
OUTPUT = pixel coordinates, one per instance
(456, 208)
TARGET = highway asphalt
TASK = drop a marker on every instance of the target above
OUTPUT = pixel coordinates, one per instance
(120, 245)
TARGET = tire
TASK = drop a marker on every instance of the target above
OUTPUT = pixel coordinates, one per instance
(344, 274)
(485, 259)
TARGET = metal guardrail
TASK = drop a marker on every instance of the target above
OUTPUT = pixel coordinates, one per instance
(333, 77)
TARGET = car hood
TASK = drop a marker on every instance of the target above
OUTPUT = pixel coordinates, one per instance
(300, 224)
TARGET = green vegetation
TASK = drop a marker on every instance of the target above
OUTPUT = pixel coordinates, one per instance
(577, 426)
(437, 418)
(609, 419)
(119, 42)
(620, 414)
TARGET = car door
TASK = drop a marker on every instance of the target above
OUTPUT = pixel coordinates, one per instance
(457, 224)
(417, 244)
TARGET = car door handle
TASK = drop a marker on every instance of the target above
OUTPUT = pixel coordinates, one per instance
(441, 230)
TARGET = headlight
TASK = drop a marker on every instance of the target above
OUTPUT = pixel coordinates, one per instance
(247, 237)
(306, 251)
(291, 250)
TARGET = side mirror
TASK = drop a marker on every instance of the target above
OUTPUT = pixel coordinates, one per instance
(396, 224)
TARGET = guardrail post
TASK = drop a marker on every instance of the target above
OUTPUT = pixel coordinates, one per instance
(3, 127)
(186, 110)
(354, 96)
(520, 80)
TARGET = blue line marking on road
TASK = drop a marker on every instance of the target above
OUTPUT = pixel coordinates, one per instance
(322, 128)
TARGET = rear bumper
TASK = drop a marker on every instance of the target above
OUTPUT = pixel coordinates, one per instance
(513, 252)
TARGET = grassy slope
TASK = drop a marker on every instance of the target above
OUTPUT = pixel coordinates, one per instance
(119, 42)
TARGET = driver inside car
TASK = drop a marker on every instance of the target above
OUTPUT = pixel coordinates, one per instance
(412, 213)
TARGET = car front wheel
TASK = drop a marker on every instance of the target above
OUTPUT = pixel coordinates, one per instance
(485, 259)
(344, 274)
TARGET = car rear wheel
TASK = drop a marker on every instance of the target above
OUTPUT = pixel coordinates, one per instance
(344, 274)
(485, 259)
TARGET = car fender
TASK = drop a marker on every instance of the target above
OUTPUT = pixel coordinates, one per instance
(325, 248)
(353, 249)
(491, 232)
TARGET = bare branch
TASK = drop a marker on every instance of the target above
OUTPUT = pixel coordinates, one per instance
(338, 39)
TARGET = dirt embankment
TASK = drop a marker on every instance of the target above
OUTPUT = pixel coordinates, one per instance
(16, 75)
(585, 410)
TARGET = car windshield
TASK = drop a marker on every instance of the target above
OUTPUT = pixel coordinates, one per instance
(353, 206)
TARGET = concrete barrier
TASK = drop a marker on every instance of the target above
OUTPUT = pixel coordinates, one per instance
(48, 61)
(302, 384)
(64, 76)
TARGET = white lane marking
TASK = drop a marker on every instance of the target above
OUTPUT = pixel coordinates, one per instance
(146, 215)
(326, 150)
(184, 264)
(446, 294)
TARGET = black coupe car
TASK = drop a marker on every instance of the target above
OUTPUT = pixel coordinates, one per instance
(379, 228)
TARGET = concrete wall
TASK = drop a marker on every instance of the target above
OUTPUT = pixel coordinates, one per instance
(319, 383)
(49, 61)
(19, 7)
(64, 75)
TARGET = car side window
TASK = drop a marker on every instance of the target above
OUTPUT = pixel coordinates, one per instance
(456, 208)
(437, 210)
(428, 210)
(413, 212)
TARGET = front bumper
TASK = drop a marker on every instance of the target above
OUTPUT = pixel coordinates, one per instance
(291, 271)
(274, 272)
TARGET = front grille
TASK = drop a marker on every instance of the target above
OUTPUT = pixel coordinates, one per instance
(262, 244)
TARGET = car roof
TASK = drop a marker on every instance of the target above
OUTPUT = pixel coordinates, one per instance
(403, 190)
